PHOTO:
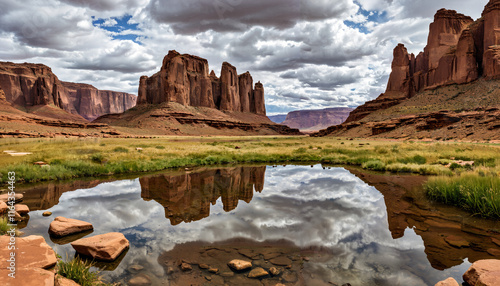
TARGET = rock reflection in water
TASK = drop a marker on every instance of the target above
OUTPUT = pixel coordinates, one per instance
(376, 231)
(187, 197)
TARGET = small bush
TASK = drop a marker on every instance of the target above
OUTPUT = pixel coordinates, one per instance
(375, 165)
(97, 158)
(417, 159)
(78, 271)
(121, 150)
(160, 147)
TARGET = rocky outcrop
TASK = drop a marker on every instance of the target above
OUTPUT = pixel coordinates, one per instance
(483, 272)
(104, 247)
(184, 79)
(316, 119)
(91, 103)
(453, 55)
(26, 85)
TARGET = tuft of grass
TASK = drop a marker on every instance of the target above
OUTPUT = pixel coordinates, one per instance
(120, 149)
(473, 192)
(4, 221)
(417, 159)
(79, 271)
(97, 158)
(375, 165)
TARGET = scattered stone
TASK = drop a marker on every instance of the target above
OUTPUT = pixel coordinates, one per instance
(40, 163)
(22, 209)
(448, 282)
(186, 266)
(248, 253)
(203, 266)
(257, 273)
(274, 271)
(213, 270)
(5, 198)
(290, 277)
(140, 280)
(484, 270)
(62, 226)
(494, 251)
(106, 247)
(456, 241)
(239, 265)
(209, 278)
(33, 252)
(305, 258)
(63, 281)
(136, 267)
(227, 274)
(138, 149)
(281, 261)
(170, 270)
(47, 213)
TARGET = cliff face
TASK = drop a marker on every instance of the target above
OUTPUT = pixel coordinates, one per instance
(32, 84)
(91, 103)
(184, 79)
(315, 120)
(458, 51)
(27, 85)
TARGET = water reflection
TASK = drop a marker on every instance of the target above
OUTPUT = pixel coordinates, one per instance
(365, 229)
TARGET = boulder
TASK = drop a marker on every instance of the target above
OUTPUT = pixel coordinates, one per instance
(238, 264)
(257, 273)
(33, 252)
(5, 198)
(483, 273)
(62, 226)
(105, 247)
(448, 282)
(29, 277)
(22, 209)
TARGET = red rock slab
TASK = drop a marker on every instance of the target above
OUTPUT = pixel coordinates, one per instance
(32, 252)
(5, 198)
(62, 226)
(3, 207)
(483, 270)
(105, 247)
(22, 209)
(27, 277)
(448, 282)
(63, 281)
(239, 265)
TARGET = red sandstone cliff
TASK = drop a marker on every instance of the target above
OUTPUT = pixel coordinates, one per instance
(91, 103)
(184, 79)
(314, 120)
(458, 51)
(27, 85)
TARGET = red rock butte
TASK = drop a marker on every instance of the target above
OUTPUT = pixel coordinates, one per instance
(185, 79)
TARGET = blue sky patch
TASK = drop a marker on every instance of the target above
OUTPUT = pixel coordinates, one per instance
(120, 28)
(371, 16)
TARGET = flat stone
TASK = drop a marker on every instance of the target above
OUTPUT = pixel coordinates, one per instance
(106, 247)
(248, 253)
(257, 273)
(63, 281)
(489, 279)
(495, 241)
(494, 251)
(47, 213)
(281, 261)
(5, 198)
(227, 274)
(22, 209)
(140, 280)
(290, 277)
(239, 265)
(213, 270)
(27, 277)
(62, 226)
(32, 252)
(448, 282)
(489, 268)
(203, 266)
(456, 241)
(136, 267)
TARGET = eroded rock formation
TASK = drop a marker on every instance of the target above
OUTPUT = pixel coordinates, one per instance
(26, 85)
(458, 51)
(184, 79)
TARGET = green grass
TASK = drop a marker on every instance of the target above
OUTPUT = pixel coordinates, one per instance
(475, 193)
(4, 221)
(79, 271)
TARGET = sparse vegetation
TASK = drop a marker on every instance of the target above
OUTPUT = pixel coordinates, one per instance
(80, 272)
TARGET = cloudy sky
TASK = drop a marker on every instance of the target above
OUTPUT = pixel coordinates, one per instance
(309, 54)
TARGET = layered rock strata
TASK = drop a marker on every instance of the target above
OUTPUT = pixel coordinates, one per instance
(185, 79)
(458, 51)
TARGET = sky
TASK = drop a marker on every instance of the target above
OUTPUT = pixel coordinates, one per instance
(308, 54)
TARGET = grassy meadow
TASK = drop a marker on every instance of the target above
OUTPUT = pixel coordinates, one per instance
(70, 158)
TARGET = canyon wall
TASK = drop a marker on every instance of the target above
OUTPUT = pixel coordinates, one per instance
(27, 85)
(185, 79)
(459, 51)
